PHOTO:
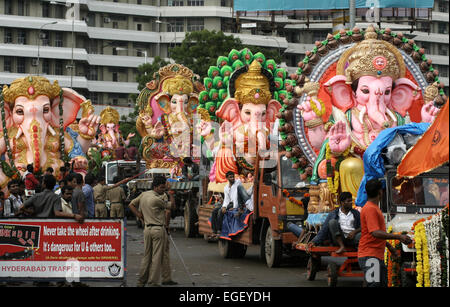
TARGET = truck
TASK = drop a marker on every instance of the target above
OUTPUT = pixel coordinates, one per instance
(186, 192)
(273, 211)
(409, 200)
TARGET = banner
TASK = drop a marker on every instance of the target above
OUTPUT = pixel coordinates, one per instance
(430, 151)
(60, 248)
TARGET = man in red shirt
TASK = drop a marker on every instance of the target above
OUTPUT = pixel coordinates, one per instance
(373, 238)
(31, 183)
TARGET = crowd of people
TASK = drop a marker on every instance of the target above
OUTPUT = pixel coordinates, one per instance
(72, 196)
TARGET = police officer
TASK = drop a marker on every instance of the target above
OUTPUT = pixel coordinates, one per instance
(152, 209)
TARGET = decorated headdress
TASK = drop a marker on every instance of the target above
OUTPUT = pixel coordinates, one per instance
(109, 115)
(30, 87)
(245, 76)
(371, 57)
(252, 86)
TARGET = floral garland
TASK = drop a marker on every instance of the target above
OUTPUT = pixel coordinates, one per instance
(392, 263)
(322, 110)
(432, 232)
(423, 266)
(292, 199)
(333, 179)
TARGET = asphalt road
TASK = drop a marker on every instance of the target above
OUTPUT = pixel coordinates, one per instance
(206, 268)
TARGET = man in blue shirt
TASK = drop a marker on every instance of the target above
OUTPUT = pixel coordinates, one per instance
(88, 192)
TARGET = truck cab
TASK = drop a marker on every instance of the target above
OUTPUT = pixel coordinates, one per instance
(273, 210)
(409, 200)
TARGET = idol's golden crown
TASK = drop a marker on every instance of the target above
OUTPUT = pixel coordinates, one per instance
(30, 87)
(109, 115)
(253, 86)
(371, 57)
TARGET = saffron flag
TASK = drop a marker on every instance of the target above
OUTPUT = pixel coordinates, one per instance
(431, 151)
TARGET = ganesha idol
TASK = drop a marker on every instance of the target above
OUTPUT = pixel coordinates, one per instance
(110, 137)
(167, 105)
(366, 87)
(247, 116)
(36, 116)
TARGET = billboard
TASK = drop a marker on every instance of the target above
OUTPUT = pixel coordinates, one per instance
(60, 248)
(287, 5)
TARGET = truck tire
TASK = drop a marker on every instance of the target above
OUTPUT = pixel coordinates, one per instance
(312, 268)
(190, 220)
(238, 250)
(225, 248)
(332, 278)
(272, 249)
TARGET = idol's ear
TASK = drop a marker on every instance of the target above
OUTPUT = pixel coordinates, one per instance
(229, 111)
(405, 92)
(163, 101)
(340, 92)
(192, 103)
(273, 108)
(71, 105)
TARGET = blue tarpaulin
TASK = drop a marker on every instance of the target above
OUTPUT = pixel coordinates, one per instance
(373, 161)
(287, 5)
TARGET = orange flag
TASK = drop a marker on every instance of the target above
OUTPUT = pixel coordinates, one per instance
(431, 151)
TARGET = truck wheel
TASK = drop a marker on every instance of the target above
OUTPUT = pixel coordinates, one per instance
(225, 248)
(190, 218)
(332, 274)
(238, 250)
(272, 249)
(312, 268)
(408, 278)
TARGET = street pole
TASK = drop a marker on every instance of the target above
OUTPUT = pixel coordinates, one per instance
(39, 44)
(352, 8)
(73, 42)
(175, 33)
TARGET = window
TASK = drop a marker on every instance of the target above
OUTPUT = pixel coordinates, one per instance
(93, 73)
(443, 6)
(7, 64)
(139, 27)
(175, 25)
(319, 36)
(8, 36)
(20, 8)
(115, 77)
(21, 65)
(45, 9)
(115, 25)
(59, 67)
(46, 66)
(45, 36)
(8, 7)
(196, 3)
(195, 24)
(443, 28)
(59, 11)
(21, 37)
(94, 98)
(58, 39)
(176, 3)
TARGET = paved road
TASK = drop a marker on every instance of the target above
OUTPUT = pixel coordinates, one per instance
(207, 268)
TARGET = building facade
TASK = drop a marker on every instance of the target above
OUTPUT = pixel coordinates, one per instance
(95, 47)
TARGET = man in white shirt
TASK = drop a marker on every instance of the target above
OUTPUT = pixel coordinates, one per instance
(235, 195)
(343, 225)
(14, 201)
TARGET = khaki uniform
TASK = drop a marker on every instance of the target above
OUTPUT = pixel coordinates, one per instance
(99, 199)
(116, 196)
(166, 271)
(153, 208)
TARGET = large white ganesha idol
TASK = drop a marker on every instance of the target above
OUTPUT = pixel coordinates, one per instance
(36, 116)
(351, 87)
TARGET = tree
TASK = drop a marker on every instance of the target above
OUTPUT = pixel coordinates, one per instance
(200, 49)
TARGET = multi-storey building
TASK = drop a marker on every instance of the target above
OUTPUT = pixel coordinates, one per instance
(98, 51)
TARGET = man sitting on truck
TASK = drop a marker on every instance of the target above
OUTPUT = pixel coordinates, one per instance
(343, 225)
(235, 208)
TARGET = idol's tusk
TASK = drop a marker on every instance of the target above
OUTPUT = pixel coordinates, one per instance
(361, 114)
(19, 133)
(391, 115)
(51, 130)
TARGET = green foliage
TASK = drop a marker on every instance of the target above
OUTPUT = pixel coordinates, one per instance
(95, 161)
(200, 50)
(216, 83)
